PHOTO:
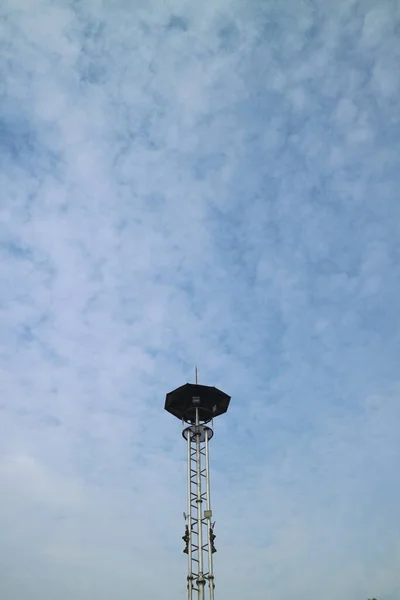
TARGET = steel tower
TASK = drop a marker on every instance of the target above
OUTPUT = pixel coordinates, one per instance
(196, 406)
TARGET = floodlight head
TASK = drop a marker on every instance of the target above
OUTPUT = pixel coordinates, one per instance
(183, 402)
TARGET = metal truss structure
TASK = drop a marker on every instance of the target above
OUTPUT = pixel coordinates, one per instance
(196, 406)
(199, 533)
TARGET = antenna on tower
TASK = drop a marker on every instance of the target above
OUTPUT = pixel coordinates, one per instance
(195, 374)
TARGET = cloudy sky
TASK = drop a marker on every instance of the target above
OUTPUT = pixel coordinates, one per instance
(208, 182)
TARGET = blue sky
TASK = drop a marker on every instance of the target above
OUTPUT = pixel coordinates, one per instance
(211, 183)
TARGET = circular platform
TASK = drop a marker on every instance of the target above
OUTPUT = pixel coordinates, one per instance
(203, 432)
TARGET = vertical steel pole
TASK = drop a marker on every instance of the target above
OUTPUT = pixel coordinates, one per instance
(208, 508)
(189, 515)
(199, 499)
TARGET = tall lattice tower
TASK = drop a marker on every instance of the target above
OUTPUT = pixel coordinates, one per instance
(196, 406)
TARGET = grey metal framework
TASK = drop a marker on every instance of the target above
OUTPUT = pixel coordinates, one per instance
(199, 534)
(197, 405)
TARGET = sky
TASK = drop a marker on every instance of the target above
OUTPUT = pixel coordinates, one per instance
(211, 183)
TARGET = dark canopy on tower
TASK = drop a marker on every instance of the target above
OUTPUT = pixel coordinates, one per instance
(183, 401)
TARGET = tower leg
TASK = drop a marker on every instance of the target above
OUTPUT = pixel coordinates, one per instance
(209, 529)
(199, 501)
(189, 515)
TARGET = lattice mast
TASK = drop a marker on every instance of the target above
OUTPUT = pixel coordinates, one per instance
(197, 405)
